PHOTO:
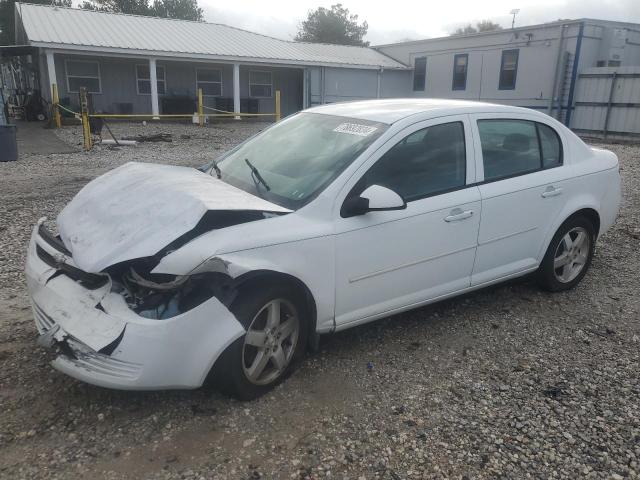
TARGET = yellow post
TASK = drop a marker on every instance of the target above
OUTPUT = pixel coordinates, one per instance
(84, 109)
(200, 108)
(278, 115)
(55, 101)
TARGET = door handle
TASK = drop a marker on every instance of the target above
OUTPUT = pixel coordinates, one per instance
(458, 214)
(551, 191)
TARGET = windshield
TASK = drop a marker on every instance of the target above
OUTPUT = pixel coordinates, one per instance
(294, 160)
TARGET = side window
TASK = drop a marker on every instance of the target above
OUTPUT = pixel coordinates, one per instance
(516, 147)
(415, 137)
(551, 146)
(430, 161)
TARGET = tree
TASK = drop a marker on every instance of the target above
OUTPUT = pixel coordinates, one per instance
(180, 9)
(465, 30)
(135, 7)
(7, 25)
(183, 9)
(487, 26)
(482, 26)
(336, 25)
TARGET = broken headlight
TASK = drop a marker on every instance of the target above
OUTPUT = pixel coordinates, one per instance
(165, 296)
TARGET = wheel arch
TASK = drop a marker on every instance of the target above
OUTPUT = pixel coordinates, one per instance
(590, 211)
(257, 278)
(591, 214)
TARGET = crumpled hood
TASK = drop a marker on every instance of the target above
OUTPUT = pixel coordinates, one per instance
(139, 208)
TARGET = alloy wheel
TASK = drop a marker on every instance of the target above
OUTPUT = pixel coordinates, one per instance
(572, 254)
(270, 342)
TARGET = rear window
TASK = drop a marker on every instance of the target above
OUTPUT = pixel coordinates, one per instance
(517, 147)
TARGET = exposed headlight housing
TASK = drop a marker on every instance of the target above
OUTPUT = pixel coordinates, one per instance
(160, 296)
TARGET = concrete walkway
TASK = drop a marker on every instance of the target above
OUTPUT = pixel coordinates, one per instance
(33, 138)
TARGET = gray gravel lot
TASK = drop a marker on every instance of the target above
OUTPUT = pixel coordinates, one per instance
(507, 382)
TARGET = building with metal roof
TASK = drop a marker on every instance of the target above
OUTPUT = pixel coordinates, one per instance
(91, 31)
(584, 72)
(117, 56)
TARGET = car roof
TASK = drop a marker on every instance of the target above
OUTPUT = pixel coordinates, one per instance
(394, 109)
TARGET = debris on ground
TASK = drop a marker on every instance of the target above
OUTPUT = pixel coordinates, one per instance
(156, 137)
(559, 390)
(120, 143)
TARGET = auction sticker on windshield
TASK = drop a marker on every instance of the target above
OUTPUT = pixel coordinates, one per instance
(355, 129)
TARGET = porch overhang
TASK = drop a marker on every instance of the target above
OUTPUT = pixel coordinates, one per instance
(200, 57)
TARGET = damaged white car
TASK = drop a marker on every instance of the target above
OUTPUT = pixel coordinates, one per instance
(159, 277)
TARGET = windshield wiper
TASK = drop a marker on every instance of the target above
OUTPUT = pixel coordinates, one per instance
(254, 171)
(216, 168)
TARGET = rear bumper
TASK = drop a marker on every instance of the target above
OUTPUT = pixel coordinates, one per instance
(101, 341)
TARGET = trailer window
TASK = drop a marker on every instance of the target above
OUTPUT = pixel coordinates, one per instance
(420, 74)
(460, 63)
(508, 69)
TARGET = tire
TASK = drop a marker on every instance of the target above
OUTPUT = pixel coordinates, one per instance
(568, 256)
(238, 370)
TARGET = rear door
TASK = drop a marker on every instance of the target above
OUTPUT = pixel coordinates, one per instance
(522, 180)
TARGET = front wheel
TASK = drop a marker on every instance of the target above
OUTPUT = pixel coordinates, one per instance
(276, 335)
(569, 255)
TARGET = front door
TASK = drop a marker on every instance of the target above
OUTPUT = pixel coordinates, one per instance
(391, 260)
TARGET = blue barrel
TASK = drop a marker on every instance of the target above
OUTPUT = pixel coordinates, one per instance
(8, 143)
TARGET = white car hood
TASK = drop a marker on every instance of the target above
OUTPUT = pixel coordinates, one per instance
(139, 208)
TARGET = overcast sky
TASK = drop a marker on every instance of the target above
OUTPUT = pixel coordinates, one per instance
(396, 20)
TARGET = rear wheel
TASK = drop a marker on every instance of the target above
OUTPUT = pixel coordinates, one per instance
(276, 335)
(569, 255)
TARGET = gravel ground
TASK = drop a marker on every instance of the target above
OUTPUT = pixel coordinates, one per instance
(508, 382)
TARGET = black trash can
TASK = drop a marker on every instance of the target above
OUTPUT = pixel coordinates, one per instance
(8, 143)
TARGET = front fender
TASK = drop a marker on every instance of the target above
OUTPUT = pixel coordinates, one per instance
(310, 261)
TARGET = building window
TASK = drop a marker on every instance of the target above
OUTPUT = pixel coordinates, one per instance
(613, 63)
(83, 74)
(419, 74)
(210, 81)
(601, 63)
(143, 80)
(460, 63)
(260, 84)
(508, 69)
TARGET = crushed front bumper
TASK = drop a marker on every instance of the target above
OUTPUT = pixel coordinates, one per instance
(102, 342)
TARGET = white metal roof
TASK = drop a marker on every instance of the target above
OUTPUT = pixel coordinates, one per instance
(511, 31)
(71, 28)
(393, 109)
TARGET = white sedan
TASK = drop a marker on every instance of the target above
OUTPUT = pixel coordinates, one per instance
(164, 277)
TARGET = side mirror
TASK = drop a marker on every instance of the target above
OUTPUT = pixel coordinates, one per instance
(374, 198)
